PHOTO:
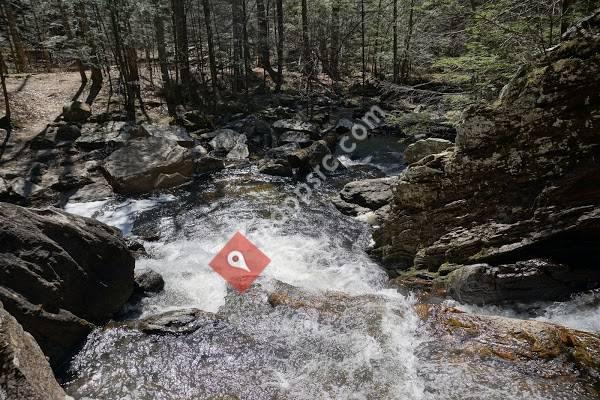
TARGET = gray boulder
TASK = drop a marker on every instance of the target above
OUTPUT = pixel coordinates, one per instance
(96, 136)
(226, 140)
(294, 125)
(424, 148)
(148, 281)
(172, 133)
(295, 137)
(25, 372)
(238, 152)
(275, 168)
(148, 164)
(282, 152)
(360, 197)
(77, 111)
(531, 280)
(60, 274)
(207, 164)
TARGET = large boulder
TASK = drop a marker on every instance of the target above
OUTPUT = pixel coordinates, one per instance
(114, 133)
(148, 164)
(425, 147)
(77, 111)
(360, 197)
(24, 371)
(171, 132)
(226, 139)
(530, 280)
(520, 184)
(60, 274)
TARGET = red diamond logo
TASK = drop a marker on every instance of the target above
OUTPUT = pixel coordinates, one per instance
(240, 262)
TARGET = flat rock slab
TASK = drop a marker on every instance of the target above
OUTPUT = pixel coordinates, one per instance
(294, 125)
(148, 164)
(171, 132)
(116, 133)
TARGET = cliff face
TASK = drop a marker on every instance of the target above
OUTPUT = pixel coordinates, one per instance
(523, 182)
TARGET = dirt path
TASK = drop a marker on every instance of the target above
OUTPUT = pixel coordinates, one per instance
(36, 100)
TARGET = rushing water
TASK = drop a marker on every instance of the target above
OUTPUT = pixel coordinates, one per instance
(372, 347)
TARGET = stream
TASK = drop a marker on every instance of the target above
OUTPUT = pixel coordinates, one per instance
(372, 348)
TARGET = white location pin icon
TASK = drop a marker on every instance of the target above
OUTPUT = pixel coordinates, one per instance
(235, 259)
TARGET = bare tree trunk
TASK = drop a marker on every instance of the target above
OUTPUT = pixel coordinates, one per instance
(405, 67)
(211, 49)
(159, 31)
(263, 40)
(565, 8)
(247, 69)
(362, 34)
(376, 45)
(395, 45)
(280, 42)
(182, 50)
(237, 45)
(305, 40)
(4, 90)
(21, 58)
(334, 64)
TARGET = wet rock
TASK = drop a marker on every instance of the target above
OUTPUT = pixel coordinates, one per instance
(518, 184)
(310, 157)
(174, 322)
(26, 374)
(136, 248)
(208, 164)
(284, 125)
(369, 194)
(148, 281)
(60, 274)
(543, 349)
(170, 132)
(148, 164)
(525, 281)
(301, 138)
(344, 125)
(77, 111)
(425, 147)
(282, 152)
(114, 133)
(226, 140)
(415, 126)
(238, 152)
(199, 151)
(275, 168)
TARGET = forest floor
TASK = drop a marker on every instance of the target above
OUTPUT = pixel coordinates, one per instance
(36, 100)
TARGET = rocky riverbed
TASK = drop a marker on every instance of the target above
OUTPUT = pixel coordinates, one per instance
(434, 262)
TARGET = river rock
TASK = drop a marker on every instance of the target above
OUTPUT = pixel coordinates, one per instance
(425, 147)
(114, 133)
(310, 157)
(148, 281)
(284, 125)
(68, 132)
(25, 372)
(518, 185)
(295, 137)
(208, 164)
(282, 152)
(275, 168)
(148, 164)
(170, 132)
(77, 111)
(60, 274)
(525, 281)
(238, 152)
(226, 140)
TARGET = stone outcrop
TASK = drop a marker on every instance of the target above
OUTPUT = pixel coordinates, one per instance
(425, 147)
(148, 164)
(521, 183)
(114, 133)
(24, 371)
(361, 197)
(60, 274)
